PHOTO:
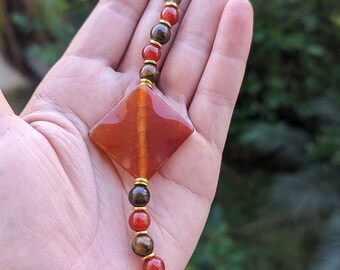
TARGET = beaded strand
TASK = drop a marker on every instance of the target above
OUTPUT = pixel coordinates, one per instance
(139, 196)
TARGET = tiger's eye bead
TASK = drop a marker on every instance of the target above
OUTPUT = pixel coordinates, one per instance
(174, 1)
(142, 245)
(154, 263)
(152, 52)
(170, 14)
(139, 220)
(149, 72)
(161, 33)
(139, 196)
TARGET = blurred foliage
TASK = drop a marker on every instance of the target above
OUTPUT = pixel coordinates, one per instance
(281, 186)
(218, 250)
(47, 26)
(287, 126)
(279, 193)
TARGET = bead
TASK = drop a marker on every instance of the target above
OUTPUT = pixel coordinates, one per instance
(149, 72)
(153, 254)
(177, 2)
(154, 263)
(151, 52)
(161, 33)
(166, 23)
(146, 83)
(139, 208)
(124, 136)
(150, 62)
(141, 182)
(139, 221)
(139, 196)
(170, 14)
(154, 42)
(142, 245)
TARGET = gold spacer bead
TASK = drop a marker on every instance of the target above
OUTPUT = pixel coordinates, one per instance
(149, 256)
(150, 62)
(141, 184)
(141, 181)
(154, 42)
(171, 4)
(165, 23)
(146, 82)
(141, 233)
(140, 208)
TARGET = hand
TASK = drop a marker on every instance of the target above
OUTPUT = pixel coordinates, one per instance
(64, 204)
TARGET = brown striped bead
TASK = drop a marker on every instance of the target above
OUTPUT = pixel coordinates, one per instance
(161, 33)
(142, 245)
(149, 72)
(139, 196)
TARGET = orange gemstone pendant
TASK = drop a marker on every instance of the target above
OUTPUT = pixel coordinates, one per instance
(141, 132)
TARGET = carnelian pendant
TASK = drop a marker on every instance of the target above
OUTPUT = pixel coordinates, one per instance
(141, 132)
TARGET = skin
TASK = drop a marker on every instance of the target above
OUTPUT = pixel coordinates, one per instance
(63, 202)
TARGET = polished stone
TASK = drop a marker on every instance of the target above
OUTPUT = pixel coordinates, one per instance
(141, 132)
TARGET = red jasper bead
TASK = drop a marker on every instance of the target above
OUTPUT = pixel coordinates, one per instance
(170, 14)
(151, 52)
(139, 220)
(154, 263)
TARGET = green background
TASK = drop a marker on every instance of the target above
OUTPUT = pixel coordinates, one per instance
(277, 205)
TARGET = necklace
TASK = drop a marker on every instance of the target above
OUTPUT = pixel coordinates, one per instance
(141, 132)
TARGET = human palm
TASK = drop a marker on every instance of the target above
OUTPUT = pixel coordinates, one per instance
(64, 203)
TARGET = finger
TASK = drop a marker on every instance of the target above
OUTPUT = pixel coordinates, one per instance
(5, 108)
(219, 87)
(108, 30)
(191, 50)
(132, 59)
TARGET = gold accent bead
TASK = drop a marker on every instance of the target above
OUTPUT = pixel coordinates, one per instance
(154, 42)
(150, 62)
(140, 208)
(141, 233)
(146, 82)
(165, 23)
(141, 181)
(171, 4)
(149, 256)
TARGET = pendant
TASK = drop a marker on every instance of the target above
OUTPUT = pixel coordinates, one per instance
(141, 132)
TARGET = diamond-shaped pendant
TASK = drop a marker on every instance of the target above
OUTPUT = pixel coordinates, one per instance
(141, 132)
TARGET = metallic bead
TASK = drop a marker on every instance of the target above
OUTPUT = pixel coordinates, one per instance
(154, 42)
(150, 62)
(171, 4)
(149, 256)
(141, 233)
(141, 181)
(177, 2)
(139, 208)
(146, 82)
(166, 23)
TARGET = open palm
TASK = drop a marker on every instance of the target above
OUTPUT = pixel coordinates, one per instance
(63, 202)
